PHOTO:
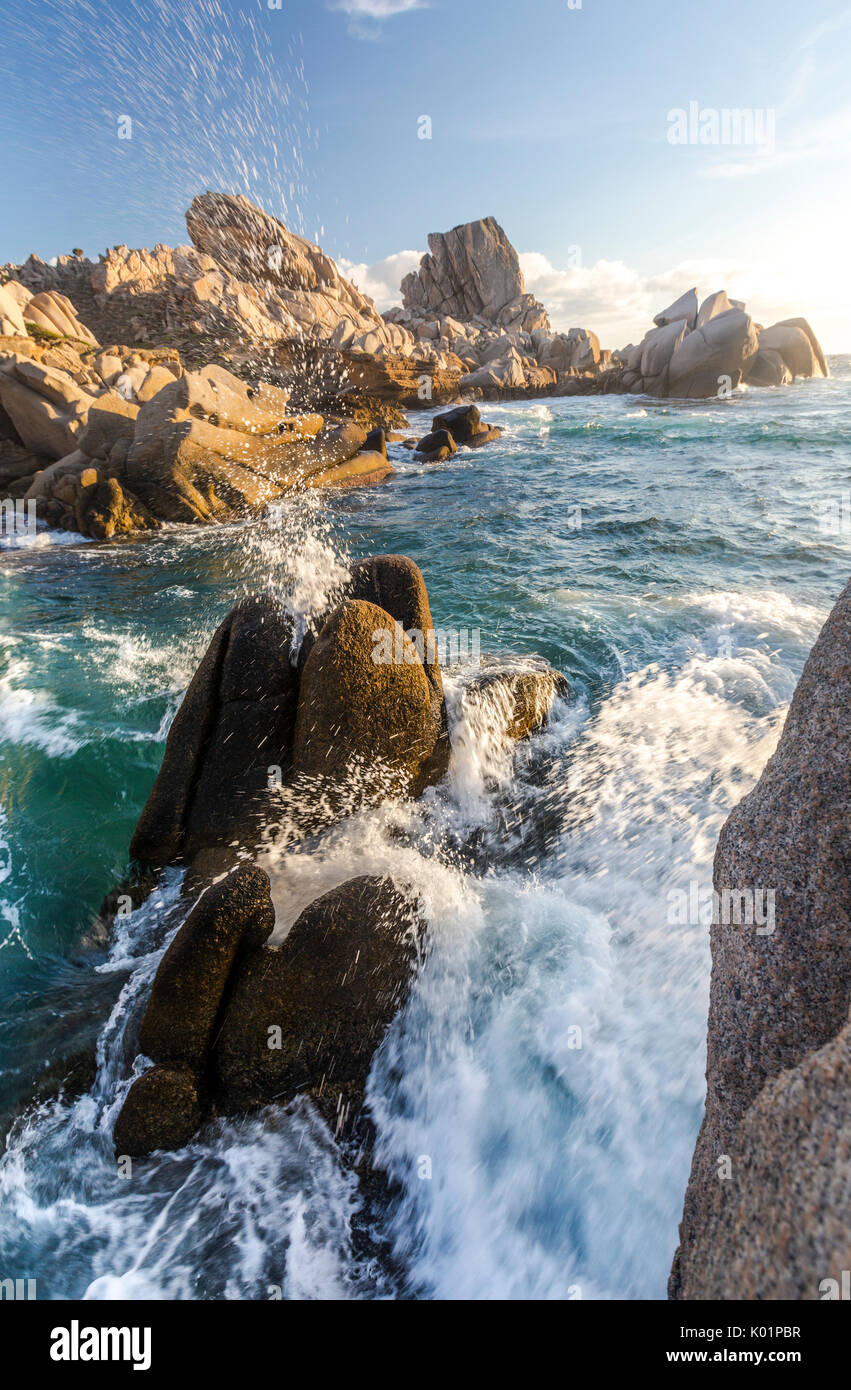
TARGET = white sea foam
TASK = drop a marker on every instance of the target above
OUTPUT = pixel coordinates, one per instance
(527, 1166)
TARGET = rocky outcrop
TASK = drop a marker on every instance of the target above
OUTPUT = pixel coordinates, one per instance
(466, 426)
(180, 1022)
(232, 1024)
(472, 272)
(50, 313)
(778, 1227)
(370, 723)
(694, 352)
(236, 723)
(469, 298)
(119, 441)
(161, 1111)
(241, 1014)
(777, 1057)
(436, 447)
(519, 698)
(327, 994)
(463, 425)
(342, 724)
(208, 447)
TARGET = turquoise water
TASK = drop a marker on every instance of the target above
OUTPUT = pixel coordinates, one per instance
(672, 560)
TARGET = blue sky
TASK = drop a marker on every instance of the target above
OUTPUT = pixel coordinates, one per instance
(551, 118)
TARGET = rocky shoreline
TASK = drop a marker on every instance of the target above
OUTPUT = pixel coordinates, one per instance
(196, 384)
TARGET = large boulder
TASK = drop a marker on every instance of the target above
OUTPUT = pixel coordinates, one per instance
(11, 316)
(161, 1111)
(232, 917)
(396, 584)
(777, 1227)
(768, 369)
(683, 308)
(712, 306)
(369, 722)
(723, 348)
(55, 313)
(46, 406)
(658, 348)
(111, 417)
(231, 744)
(472, 270)
(781, 990)
(436, 446)
(235, 724)
(307, 1016)
(208, 447)
(797, 345)
(466, 426)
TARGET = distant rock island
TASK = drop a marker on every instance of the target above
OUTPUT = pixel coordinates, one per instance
(197, 383)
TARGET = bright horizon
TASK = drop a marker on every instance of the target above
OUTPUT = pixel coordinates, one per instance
(561, 129)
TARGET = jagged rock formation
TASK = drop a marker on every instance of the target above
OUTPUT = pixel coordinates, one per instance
(778, 1099)
(470, 297)
(354, 713)
(472, 273)
(250, 297)
(696, 352)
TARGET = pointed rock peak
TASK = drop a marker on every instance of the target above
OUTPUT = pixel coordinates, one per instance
(683, 308)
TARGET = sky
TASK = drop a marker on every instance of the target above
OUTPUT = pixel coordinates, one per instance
(557, 117)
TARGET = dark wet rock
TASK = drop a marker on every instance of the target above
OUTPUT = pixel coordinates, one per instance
(488, 434)
(396, 584)
(161, 1111)
(105, 510)
(778, 996)
(436, 447)
(308, 1016)
(369, 724)
(235, 723)
(186, 997)
(376, 441)
(465, 425)
(520, 699)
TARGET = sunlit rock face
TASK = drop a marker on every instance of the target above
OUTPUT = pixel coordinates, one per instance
(472, 272)
(697, 351)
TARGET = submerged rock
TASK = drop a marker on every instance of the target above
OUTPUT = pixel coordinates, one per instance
(520, 699)
(781, 988)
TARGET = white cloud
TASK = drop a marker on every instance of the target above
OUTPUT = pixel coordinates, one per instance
(377, 9)
(382, 280)
(618, 303)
